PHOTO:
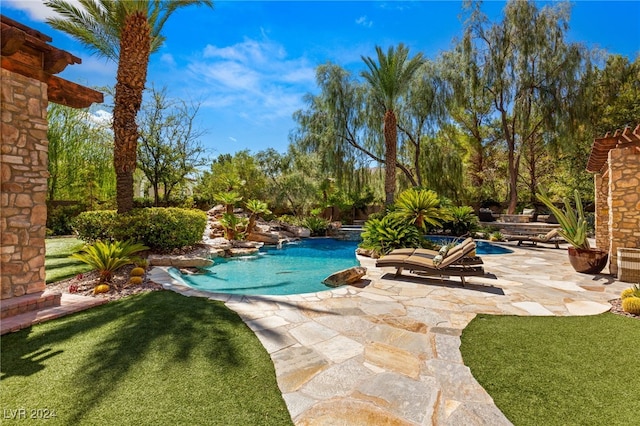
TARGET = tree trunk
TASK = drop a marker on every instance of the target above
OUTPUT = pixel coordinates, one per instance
(135, 46)
(391, 147)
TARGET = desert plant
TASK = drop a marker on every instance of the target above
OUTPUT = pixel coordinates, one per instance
(317, 225)
(137, 272)
(135, 280)
(631, 305)
(256, 207)
(108, 256)
(229, 199)
(101, 288)
(462, 220)
(234, 226)
(388, 233)
(496, 236)
(419, 207)
(573, 225)
(630, 292)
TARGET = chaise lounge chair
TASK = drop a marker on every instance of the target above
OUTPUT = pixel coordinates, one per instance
(456, 262)
(551, 237)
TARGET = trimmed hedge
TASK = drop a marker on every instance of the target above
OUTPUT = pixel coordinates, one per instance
(156, 227)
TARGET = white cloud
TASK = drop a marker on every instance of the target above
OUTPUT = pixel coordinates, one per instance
(232, 139)
(167, 58)
(256, 79)
(364, 21)
(35, 9)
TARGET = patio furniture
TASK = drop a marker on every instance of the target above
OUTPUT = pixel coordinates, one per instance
(629, 265)
(457, 263)
(551, 237)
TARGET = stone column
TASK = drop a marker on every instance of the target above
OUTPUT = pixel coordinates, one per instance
(23, 162)
(601, 184)
(623, 201)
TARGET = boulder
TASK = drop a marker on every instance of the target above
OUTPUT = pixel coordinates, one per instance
(263, 237)
(216, 210)
(298, 231)
(247, 244)
(179, 261)
(367, 253)
(241, 251)
(346, 276)
(220, 243)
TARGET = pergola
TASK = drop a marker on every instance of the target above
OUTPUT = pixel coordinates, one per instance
(615, 163)
(29, 83)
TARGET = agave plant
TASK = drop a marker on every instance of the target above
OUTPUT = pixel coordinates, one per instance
(388, 233)
(109, 256)
(572, 222)
(420, 208)
(256, 207)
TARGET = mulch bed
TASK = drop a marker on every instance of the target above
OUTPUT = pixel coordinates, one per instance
(616, 308)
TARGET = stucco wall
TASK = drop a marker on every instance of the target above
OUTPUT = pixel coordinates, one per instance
(23, 213)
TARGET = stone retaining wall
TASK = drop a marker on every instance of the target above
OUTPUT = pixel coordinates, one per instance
(623, 201)
(23, 213)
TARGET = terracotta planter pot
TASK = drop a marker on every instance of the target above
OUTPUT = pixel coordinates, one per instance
(590, 261)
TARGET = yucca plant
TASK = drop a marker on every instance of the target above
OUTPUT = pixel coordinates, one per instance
(107, 257)
(572, 221)
(256, 207)
(419, 207)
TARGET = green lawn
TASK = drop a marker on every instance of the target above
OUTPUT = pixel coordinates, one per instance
(155, 358)
(557, 370)
(58, 265)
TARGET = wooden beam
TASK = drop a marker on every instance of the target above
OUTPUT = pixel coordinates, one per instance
(12, 40)
(70, 94)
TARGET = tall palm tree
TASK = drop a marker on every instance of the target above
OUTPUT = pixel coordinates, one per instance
(389, 80)
(126, 32)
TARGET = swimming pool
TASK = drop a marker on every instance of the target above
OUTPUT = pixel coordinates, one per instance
(296, 268)
(482, 247)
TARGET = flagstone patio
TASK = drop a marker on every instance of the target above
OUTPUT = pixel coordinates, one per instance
(388, 353)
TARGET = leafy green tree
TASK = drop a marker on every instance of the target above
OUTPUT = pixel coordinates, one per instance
(389, 79)
(531, 74)
(239, 172)
(126, 32)
(80, 156)
(169, 151)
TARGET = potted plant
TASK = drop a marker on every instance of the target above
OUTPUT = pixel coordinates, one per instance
(573, 228)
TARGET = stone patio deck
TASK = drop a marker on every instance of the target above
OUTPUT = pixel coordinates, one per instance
(388, 353)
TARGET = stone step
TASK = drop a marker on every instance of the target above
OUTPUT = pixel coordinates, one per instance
(28, 302)
(66, 304)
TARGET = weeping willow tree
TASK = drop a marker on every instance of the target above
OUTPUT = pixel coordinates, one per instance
(80, 156)
(531, 75)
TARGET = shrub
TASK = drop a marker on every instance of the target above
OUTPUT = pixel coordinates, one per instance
(384, 235)
(462, 220)
(59, 218)
(95, 225)
(108, 256)
(162, 228)
(317, 225)
(159, 228)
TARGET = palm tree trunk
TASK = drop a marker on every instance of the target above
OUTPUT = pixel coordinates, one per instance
(391, 147)
(135, 47)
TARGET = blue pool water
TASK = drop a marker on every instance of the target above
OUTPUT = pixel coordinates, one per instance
(295, 268)
(482, 247)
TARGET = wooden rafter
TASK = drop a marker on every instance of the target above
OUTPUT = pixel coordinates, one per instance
(601, 146)
(26, 51)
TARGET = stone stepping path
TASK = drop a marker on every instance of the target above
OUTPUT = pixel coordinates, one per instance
(388, 353)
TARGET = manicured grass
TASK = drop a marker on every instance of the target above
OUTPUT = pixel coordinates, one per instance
(156, 358)
(58, 265)
(557, 370)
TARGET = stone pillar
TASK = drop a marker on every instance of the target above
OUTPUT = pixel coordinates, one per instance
(601, 184)
(23, 162)
(624, 201)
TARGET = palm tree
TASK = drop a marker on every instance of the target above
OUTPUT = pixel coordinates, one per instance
(389, 80)
(256, 207)
(126, 32)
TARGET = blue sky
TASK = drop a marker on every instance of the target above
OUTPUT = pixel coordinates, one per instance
(249, 63)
